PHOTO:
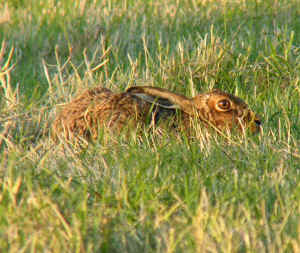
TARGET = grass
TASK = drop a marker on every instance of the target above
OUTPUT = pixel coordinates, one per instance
(151, 194)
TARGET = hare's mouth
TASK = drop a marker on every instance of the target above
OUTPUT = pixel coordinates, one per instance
(251, 121)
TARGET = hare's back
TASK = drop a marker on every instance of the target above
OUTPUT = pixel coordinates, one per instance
(94, 108)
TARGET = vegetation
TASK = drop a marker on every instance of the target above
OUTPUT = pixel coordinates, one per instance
(156, 193)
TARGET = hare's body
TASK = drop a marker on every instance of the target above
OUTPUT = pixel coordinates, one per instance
(100, 107)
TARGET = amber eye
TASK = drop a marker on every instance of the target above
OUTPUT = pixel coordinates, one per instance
(224, 105)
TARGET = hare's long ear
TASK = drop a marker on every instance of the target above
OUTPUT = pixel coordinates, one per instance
(162, 97)
(161, 102)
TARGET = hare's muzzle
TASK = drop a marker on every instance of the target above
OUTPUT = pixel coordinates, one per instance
(255, 123)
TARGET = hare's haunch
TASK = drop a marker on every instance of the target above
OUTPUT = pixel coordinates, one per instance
(99, 107)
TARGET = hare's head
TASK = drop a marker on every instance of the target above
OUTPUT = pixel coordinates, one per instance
(225, 111)
(216, 108)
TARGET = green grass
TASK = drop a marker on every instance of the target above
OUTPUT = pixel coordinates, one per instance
(152, 193)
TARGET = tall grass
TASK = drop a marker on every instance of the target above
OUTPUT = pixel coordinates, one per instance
(155, 192)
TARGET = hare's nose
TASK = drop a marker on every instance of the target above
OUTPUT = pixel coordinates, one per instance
(257, 121)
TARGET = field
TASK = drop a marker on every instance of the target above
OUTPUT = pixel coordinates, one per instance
(149, 193)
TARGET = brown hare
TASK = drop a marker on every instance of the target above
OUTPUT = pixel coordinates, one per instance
(141, 105)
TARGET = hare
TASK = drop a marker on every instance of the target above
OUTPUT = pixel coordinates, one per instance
(141, 105)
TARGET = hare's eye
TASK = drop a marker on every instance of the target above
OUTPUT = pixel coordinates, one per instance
(224, 105)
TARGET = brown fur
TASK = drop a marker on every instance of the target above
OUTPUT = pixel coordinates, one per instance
(101, 108)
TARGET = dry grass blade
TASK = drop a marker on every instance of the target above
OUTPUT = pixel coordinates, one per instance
(5, 69)
(9, 96)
